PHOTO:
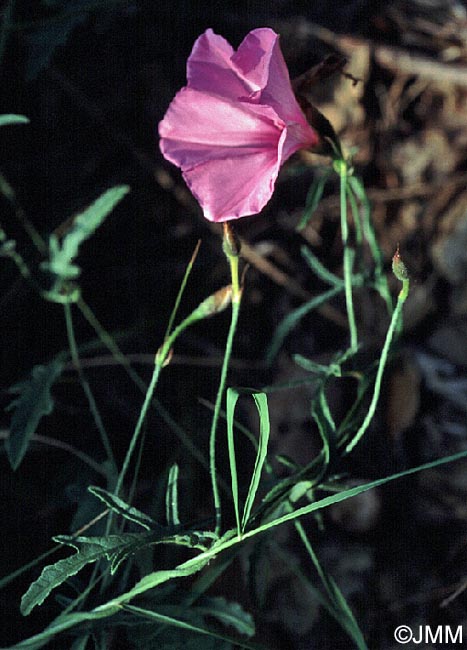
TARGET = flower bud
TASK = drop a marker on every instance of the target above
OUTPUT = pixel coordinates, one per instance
(231, 243)
(398, 267)
(214, 304)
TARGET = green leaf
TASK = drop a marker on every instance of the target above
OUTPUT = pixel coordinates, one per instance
(13, 119)
(228, 613)
(231, 400)
(169, 620)
(157, 578)
(295, 316)
(89, 549)
(61, 624)
(320, 270)
(61, 254)
(119, 506)
(81, 642)
(262, 406)
(171, 497)
(313, 198)
(327, 430)
(318, 368)
(34, 401)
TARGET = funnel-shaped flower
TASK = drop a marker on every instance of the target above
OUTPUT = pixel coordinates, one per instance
(235, 123)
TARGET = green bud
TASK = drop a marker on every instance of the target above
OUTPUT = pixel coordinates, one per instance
(231, 243)
(398, 267)
(214, 304)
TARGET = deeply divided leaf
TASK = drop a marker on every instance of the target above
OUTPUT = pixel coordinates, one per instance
(62, 253)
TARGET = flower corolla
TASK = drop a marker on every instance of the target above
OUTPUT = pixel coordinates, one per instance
(234, 124)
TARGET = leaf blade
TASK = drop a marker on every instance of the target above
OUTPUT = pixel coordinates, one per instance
(34, 402)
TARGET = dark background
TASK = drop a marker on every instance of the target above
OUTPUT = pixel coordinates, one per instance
(95, 78)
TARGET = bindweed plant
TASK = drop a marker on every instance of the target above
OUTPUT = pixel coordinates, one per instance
(231, 169)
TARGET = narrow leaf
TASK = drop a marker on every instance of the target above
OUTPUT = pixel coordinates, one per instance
(229, 613)
(34, 401)
(292, 319)
(231, 401)
(157, 578)
(13, 119)
(61, 624)
(320, 270)
(313, 198)
(171, 497)
(169, 620)
(55, 574)
(119, 506)
(264, 428)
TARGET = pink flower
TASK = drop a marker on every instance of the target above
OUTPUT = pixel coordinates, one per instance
(235, 123)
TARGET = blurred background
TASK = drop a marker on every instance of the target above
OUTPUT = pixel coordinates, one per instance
(95, 78)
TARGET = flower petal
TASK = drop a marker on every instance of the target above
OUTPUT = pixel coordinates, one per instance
(235, 187)
(199, 127)
(209, 67)
(229, 153)
(235, 123)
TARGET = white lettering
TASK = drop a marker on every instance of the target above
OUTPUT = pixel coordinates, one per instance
(420, 638)
(454, 638)
(437, 637)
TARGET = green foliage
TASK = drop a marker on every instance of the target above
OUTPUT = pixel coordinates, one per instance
(13, 119)
(171, 497)
(189, 618)
(88, 550)
(62, 254)
(34, 401)
(192, 630)
(229, 613)
(261, 404)
(313, 198)
(119, 506)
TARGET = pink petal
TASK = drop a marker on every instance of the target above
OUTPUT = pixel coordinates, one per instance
(209, 67)
(199, 127)
(229, 153)
(235, 123)
(235, 187)
(256, 73)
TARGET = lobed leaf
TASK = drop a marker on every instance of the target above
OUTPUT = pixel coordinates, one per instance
(61, 254)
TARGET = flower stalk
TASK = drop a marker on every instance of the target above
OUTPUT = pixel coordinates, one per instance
(231, 248)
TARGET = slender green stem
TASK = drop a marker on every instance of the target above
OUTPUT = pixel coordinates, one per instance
(182, 289)
(161, 358)
(348, 256)
(137, 431)
(86, 388)
(110, 344)
(358, 190)
(236, 301)
(382, 363)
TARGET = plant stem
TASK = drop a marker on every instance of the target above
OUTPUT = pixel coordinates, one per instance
(236, 301)
(348, 255)
(87, 389)
(161, 357)
(404, 292)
